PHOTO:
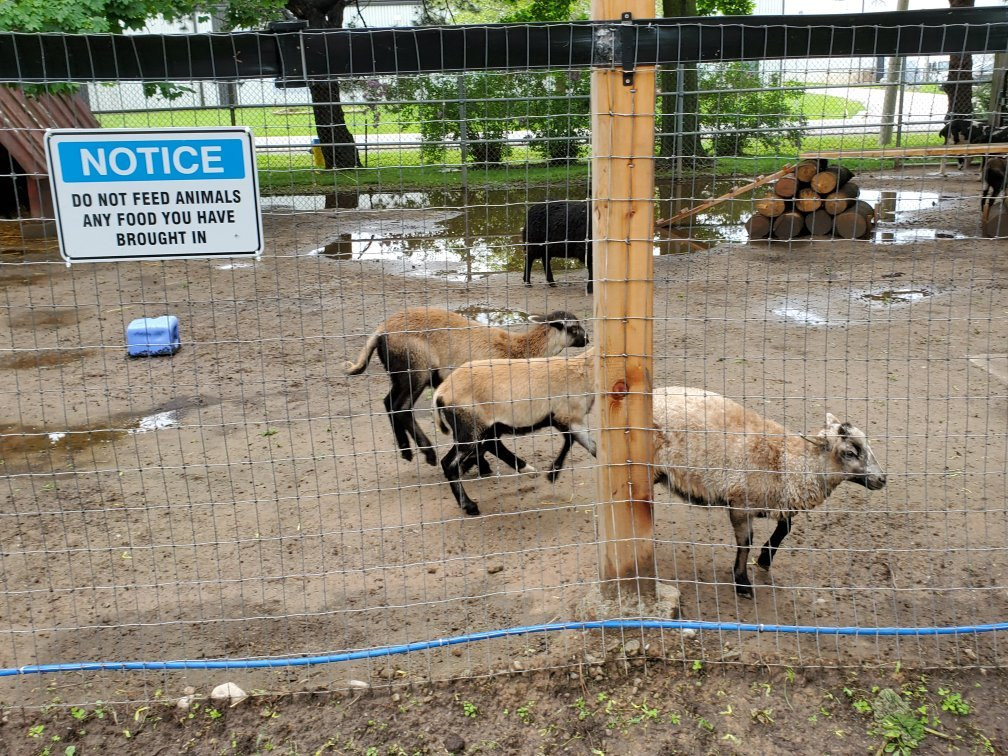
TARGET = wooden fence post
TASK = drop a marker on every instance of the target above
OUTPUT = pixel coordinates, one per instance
(623, 226)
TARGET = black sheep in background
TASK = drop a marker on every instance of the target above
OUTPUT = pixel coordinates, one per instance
(964, 131)
(557, 229)
(994, 169)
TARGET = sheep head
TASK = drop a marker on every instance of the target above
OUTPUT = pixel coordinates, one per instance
(849, 457)
(568, 331)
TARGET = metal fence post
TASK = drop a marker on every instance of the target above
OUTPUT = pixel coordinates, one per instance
(623, 117)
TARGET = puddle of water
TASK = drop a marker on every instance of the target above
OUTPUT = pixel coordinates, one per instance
(494, 316)
(31, 448)
(34, 318)
(17, 274)
(157, 421)
(798, 315)
(889, 297)
(41, 359)
(907, 235)
(457, 234)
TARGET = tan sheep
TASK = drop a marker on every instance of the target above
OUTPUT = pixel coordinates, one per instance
(420, 346)
(710, 450)
(485, 398)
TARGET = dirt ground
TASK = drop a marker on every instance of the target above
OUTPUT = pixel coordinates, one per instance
(631, 707)
(271, 515)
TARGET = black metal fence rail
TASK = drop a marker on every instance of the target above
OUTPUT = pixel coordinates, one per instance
(293, 54)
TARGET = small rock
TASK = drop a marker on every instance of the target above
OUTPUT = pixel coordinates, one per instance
(632, 647)
(358, 684)
(454, 743)
(228, 692)
(592, 659)
(188, 690)
(689, 632)
(614, 646)
(396, 698)
(517, 666)
(431, 570)
(970, 653)
(184, 703)
(493, 569)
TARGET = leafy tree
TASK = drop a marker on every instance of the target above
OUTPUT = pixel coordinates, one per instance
(690, 137)
(745, 106)
(117, 16)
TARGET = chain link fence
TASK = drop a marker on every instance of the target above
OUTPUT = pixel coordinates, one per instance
(246, 501)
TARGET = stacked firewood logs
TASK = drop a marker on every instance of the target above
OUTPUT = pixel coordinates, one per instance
(816, 199)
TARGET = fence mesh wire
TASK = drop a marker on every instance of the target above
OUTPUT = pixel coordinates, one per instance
(246, 498)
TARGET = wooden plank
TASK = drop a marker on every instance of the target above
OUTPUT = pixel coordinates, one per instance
(896, 152)
(760, 181)
(622, 192)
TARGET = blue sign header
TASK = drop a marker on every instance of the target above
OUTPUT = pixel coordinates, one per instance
(152, 160)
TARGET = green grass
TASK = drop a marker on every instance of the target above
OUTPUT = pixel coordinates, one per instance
(827, 106)
(294, 173)
(264, 121)
(402, 169)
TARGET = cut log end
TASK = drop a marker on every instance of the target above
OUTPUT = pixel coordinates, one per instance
(759, 226)
(789, 225)
(819, 223)
(771, 206)
(855, 223)
(831, 179)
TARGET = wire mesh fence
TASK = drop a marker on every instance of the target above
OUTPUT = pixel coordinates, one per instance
(247, 499)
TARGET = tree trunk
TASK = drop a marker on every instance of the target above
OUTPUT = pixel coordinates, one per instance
(335, 139)
(959, 88)
(690, 141)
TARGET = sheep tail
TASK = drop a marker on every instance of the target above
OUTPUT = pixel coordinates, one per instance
(356, 368)
(440, 418)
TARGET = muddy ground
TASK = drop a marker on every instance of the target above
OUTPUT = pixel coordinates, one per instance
(244, 497)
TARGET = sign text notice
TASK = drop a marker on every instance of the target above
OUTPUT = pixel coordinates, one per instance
(154, 194)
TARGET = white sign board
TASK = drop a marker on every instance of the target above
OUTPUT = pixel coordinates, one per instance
(154, 194)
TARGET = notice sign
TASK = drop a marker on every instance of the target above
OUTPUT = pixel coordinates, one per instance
(154, 194)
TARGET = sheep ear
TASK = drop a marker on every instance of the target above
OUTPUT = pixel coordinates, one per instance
(831, 419)
(537, 318)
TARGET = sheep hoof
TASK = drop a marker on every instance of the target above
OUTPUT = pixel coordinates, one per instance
(529, 470)
(407, 454)
(763, 564)
(744, 590)
(552, 476)
(429, 456)
(471, 509)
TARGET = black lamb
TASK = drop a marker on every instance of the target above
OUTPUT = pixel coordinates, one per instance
(557, 229)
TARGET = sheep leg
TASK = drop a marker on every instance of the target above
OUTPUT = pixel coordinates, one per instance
(496, 447)
(406, 389)
(452, 465)
(505, 455)
(742, 524)
(548, 267)
(530, 258)
(558, 463)
(419, 437)
(393, 402)
(583, 437)
(770, 547)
